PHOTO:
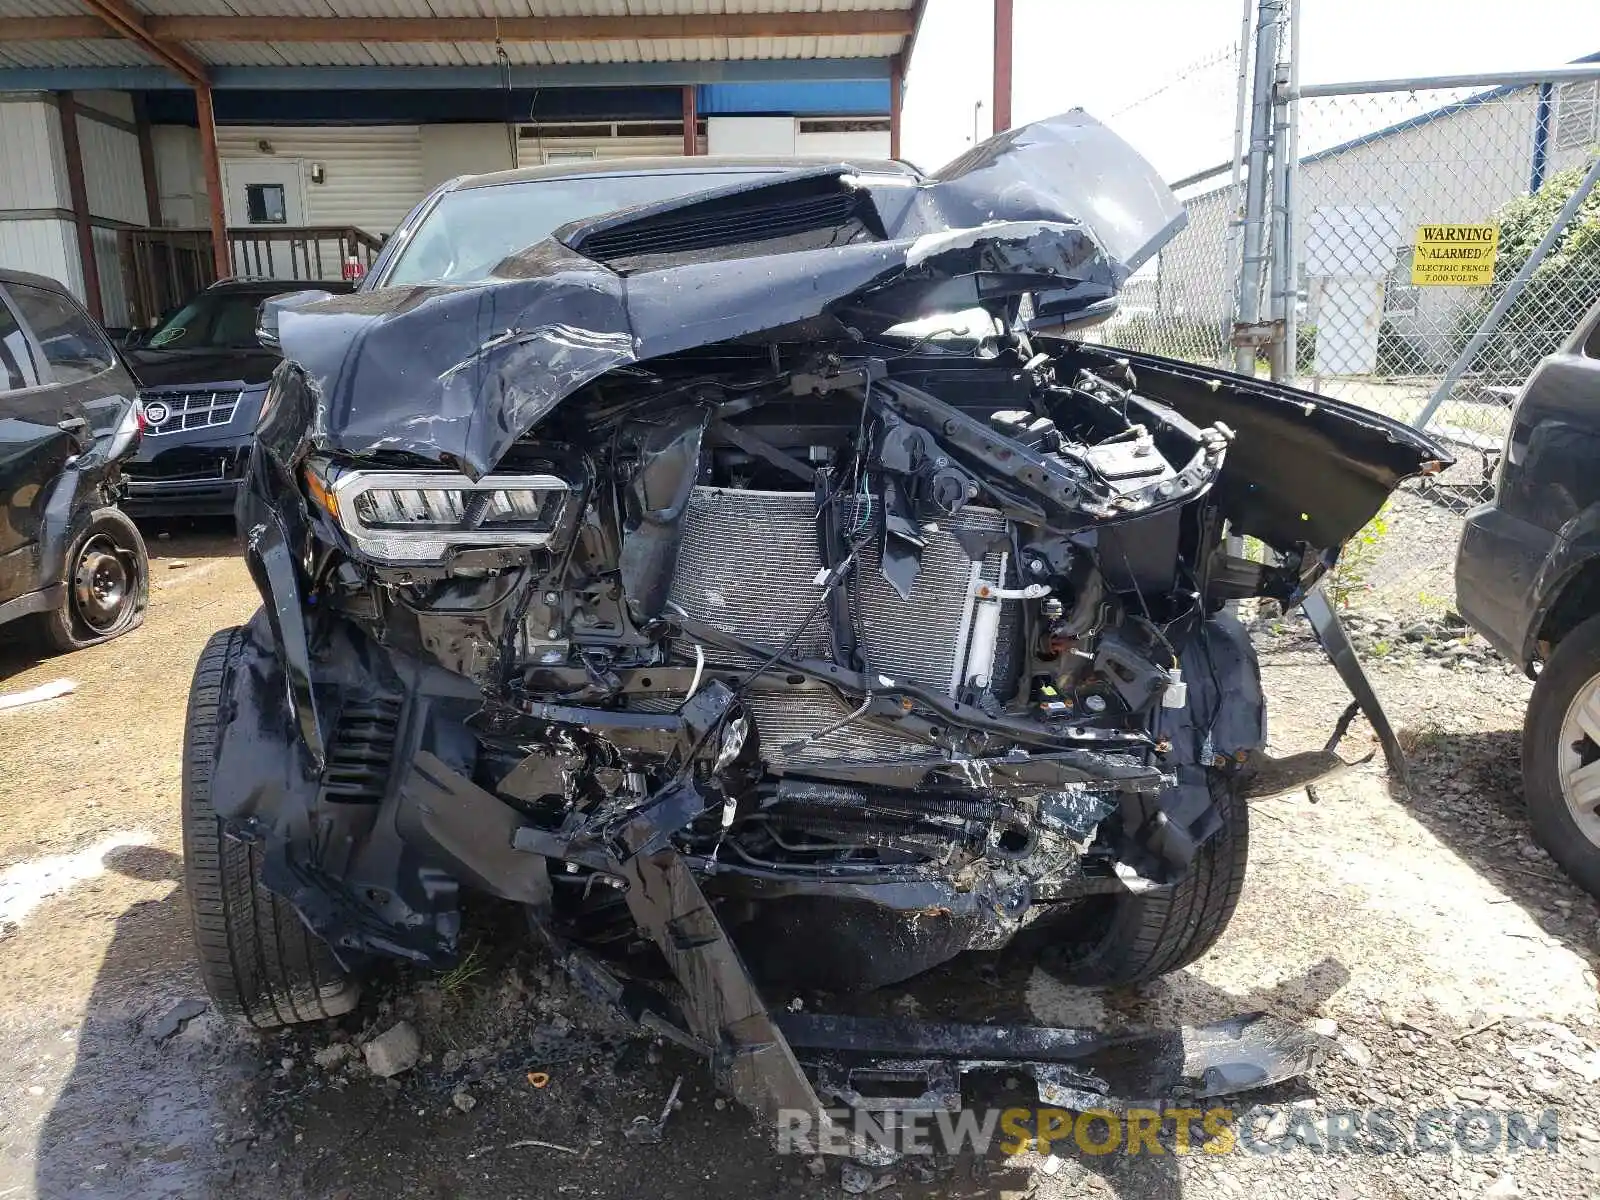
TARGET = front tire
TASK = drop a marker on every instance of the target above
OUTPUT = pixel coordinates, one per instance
(1561, 756)
(108, 584)
(260, 963)
(1129, 938)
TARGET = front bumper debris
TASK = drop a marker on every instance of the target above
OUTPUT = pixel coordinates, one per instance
(784, 1063)
(768, 1062)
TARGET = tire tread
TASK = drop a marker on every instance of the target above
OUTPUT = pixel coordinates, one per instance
(259, 962)
(1160, 932)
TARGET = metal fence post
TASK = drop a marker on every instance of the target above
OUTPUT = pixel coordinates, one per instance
(1280, 309)
(1246, 329)
(1507, 298)
(1291, 202)
(1241, 110)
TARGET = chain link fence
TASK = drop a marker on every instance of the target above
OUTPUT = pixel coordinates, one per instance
(1414, 214)
(1437, 257)
(1181, 304)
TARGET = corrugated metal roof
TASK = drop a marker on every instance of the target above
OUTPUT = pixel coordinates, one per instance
(486, 8)
(40, 8)
(113, 52)
(72, 54)
(328, 54)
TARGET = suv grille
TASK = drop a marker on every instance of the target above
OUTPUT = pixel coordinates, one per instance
(177, 411)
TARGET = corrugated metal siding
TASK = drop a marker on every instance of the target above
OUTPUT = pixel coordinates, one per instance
(480, 8)
(99, 52)
(336, 54)
(374, 174)
(34, 174)
(113, 296)
(863, 144)
(113, 176)
(179, 177)
(43, 8)
(46, 247)
(533, 151)
(113, 52)
(116, 104)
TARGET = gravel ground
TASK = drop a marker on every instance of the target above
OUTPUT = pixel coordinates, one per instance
(1455, 965)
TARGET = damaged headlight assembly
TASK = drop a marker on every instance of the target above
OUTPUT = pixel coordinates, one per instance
(417, 518)
(677, 598)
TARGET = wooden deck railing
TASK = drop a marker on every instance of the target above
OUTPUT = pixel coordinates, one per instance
(162, 268)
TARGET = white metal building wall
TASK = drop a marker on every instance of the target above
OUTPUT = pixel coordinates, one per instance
(180, 178)
(46, 246)
(35, 165)
(751, 135)
(114, 311)
(33, 190)
(373, 173)
(783, 136)
(846, 143)
(534, 151)
(113, 176)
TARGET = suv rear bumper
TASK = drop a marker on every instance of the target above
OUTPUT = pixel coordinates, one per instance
(1498, 567)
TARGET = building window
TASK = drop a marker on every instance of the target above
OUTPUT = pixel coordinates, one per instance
(265, 204)
(1577, 115)
(844, 125)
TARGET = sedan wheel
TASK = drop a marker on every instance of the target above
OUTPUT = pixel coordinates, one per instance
(107, 584)
(102, 579)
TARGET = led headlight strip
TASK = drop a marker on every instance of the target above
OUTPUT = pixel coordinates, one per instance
(414, 517)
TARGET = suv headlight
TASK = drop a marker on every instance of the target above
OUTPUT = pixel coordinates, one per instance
(415, 517)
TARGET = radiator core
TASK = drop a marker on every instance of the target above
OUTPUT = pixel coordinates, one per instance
(749, 565)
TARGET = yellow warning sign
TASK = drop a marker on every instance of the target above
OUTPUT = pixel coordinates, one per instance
(1454, 255)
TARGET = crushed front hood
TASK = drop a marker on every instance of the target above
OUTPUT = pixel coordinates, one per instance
(455, 374)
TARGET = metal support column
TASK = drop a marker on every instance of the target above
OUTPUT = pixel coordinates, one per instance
(147, 161)
(1247, 332)
(1283, 289)
(1230, 277)
(212, 166)
(691, 121)
(78, 193)
(897, 83)
(1003, 42)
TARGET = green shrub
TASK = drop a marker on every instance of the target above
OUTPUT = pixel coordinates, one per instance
(1558, 294)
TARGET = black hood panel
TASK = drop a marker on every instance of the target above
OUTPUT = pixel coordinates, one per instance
(454, 374)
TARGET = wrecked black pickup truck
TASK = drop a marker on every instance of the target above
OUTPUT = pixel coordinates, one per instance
(675, 576)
